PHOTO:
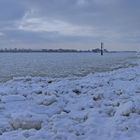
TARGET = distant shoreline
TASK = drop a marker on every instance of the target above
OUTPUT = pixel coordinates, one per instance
(74, 52)
(15, 50)
(60, 51)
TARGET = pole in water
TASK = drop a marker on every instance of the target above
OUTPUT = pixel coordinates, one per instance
(101, 48)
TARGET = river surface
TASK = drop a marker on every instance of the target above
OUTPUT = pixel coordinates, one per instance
(58, 65)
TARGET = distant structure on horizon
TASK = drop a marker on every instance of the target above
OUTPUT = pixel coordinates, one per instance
(102, 48)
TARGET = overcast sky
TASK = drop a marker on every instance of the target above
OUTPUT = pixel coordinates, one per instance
(79, 24)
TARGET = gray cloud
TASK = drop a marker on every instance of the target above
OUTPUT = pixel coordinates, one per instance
(70, 22)
(11, 10)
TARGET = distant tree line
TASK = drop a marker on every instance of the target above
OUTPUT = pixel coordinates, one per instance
(97, 50)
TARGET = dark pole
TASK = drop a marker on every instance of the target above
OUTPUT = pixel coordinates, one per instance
(101, 48)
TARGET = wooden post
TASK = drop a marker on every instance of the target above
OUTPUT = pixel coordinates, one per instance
(101, 48)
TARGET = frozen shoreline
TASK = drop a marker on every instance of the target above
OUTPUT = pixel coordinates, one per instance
(103, 106)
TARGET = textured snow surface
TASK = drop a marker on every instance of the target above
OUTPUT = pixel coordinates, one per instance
(103, 106)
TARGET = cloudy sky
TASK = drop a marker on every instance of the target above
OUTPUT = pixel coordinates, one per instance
(79, 24)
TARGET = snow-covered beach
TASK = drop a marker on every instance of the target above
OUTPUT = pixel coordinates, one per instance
(101, 106)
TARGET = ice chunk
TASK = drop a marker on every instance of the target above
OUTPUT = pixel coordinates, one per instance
(25, 123)
(12, 98)
(48, 100)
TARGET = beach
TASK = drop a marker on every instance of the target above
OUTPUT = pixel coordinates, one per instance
(100, 106)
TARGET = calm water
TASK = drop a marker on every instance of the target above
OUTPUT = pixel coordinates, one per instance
(60, 64)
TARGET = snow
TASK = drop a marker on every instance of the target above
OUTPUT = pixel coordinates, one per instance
(101, 106)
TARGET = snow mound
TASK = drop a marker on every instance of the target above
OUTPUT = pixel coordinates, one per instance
(126, 109)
